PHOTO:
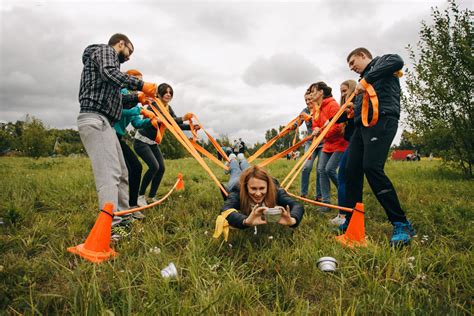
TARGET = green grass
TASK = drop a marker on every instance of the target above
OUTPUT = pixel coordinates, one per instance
(50, 204)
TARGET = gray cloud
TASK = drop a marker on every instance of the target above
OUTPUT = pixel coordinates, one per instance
(208, 51)
(225, 24)
(289, 69)
(353, 9)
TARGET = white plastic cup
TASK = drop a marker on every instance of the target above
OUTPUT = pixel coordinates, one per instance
(169, 271)
(273, 215)
(327, 264)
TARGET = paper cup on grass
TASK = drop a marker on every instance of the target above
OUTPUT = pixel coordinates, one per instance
(327, 264)
(170, 271)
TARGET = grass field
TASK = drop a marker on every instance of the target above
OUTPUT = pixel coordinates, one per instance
(49, 204)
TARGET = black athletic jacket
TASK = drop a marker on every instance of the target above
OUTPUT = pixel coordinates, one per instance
(235, 219)
(380, 74)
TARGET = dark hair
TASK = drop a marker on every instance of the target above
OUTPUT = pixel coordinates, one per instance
(162, 89)
(321, 85)
(119, 37)
(359, 51)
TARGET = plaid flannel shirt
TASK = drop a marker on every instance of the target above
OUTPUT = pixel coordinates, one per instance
(101, 81)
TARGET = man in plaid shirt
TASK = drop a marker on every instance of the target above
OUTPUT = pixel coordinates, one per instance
(101, 105)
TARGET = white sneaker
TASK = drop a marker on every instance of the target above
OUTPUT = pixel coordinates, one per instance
(141, 201)
(116, 220)
(338, 220)
(154, 199)
(138, 215)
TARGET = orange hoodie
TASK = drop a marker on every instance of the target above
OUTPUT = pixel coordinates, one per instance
(334, 139)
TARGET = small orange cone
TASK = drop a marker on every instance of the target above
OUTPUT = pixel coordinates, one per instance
(180, 185)
(96, 248)
(355, 233)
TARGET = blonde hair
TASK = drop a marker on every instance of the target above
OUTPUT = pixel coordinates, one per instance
(261, 174)
(351, 84)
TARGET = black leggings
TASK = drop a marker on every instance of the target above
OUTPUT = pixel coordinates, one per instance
(134, 168)
(368, 152)
(152, 156)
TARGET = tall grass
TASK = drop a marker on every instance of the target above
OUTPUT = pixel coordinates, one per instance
(50, 204)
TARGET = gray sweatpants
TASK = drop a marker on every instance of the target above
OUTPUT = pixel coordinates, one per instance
(108, 164)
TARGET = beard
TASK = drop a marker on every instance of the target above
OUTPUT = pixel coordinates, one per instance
(121, 57)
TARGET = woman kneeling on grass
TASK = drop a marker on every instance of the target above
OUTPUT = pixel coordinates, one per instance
(252, 192)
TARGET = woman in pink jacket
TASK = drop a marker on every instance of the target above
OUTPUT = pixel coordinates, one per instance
(334, 142)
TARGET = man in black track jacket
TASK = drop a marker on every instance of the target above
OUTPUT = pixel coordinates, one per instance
(369, 146)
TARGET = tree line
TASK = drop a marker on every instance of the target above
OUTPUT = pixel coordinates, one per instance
(32, 138)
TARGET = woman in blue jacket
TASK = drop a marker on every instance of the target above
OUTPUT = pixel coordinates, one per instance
(134, 167)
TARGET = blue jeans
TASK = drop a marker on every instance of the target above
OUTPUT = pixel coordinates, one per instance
(236, 169)
(306, 171)
(341, 180)
(327, 170)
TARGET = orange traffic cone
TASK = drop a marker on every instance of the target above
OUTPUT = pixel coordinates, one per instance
(96, 248)
(180, 185)
(355, 233)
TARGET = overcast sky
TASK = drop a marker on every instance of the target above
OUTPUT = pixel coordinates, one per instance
(241, 66)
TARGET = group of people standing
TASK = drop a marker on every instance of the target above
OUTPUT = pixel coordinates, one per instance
(351, 149)
(332, 150)
(238, 147)
(109, 103)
